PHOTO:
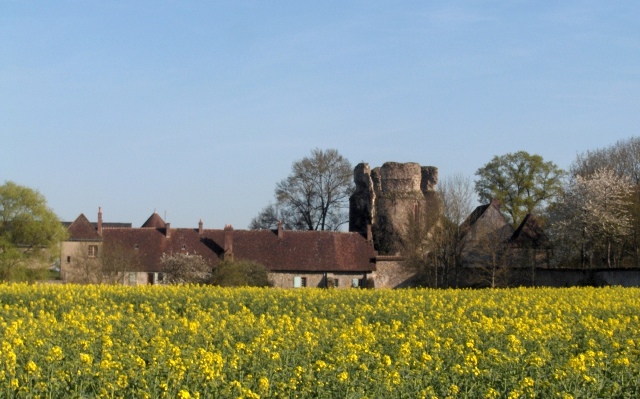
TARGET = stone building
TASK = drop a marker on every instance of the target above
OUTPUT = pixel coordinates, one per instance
(387, 197)
(118, 253)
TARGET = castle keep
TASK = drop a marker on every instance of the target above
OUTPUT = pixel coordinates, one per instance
(386, 197)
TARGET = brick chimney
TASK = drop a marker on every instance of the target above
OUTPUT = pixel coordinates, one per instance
(200, 227)
(495, 203)
(167, 230)
(228, 242)
(280, 229)
(369, 234)
(99, 220)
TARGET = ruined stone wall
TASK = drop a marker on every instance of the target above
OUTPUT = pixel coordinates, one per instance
(391, 273)
(388, 196)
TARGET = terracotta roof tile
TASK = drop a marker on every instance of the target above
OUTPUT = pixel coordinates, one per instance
(154, 221)
(295, 251)
(82, 230)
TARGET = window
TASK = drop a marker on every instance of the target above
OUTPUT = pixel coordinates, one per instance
(299, 282)
(132, 279)
(93, 251)
(355, 283)
(136, 246)
(68, 259)
(336, 282)
(184, 247)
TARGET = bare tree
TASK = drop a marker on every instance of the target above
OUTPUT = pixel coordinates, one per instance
(456, 193)
(86, 265)
(270, 216)
(117, 261)
(491, 260)
(483, 247)
(417, 244)
(430, 244)
(315, 196)
(593, 217)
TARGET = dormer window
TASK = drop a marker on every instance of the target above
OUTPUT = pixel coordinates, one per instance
(184, 247)
(136, 246)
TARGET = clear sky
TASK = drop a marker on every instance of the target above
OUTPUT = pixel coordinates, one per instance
(198, 108)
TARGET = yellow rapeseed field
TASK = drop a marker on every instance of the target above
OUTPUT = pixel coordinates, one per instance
(66, 341)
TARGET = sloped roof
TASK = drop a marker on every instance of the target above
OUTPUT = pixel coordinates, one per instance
(155, 221)
(299, 251)
(305, 250)
(82, 230)
(530, 233)
(487, 219)
(144, 246)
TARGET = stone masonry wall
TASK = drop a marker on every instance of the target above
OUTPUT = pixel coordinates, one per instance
(388, 196)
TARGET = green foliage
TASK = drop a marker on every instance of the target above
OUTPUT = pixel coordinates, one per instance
(522, 182)
(29, 233)
(240, 273)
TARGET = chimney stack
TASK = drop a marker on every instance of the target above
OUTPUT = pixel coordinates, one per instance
(369, 234)
(280, 229)
(200, 227)
(228, 242)
(167, 230)
(100, 220)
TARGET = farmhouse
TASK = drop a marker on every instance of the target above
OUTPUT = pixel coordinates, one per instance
(293, 258)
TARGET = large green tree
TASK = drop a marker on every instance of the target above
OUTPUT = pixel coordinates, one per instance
(29, 232)
(523, 183)
(315, 196)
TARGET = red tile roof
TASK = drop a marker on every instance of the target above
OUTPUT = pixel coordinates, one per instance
(82, 230)
(312, 251)
(154, 221)
(295, 251)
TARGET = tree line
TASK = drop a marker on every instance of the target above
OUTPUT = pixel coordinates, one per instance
(590, 213)
(587, 217)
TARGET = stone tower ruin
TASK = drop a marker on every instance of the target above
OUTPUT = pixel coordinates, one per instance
(386, 197)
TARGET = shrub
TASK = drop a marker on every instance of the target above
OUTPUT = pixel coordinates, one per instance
(240, 273)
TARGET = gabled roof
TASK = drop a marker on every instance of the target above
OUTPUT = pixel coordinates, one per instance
(487, 219)
(82, 230)
(155, 221)
(530, 233)
(305, 250)
(295, 251)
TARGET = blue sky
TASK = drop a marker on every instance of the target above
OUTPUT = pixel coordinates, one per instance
(199, 108)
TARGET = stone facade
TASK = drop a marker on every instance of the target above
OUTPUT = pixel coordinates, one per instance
(317, 280)
(386, 197)
(391, 273)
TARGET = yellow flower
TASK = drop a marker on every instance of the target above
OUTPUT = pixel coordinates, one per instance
(263, 384)
(31, 367)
